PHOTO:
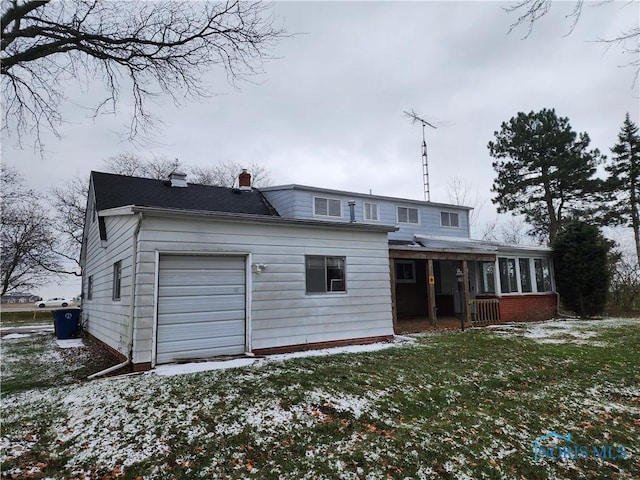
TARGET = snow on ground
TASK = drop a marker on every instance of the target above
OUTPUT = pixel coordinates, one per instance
(13, 336)
(571, 330)
(70, 343)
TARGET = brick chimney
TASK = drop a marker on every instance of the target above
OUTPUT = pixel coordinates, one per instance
(244, 180)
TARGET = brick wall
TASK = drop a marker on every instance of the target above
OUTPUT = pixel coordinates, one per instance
(528, 308)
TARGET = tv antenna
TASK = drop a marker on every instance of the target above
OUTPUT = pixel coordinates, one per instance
(425, 159)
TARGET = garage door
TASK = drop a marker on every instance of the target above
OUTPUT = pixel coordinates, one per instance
(201, 307)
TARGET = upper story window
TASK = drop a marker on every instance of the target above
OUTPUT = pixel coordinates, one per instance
(371, 212)
(327, 207)
(449, 219)
(325, 274)
(407, 215)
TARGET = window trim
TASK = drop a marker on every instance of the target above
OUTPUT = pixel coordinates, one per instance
(412, 263)
(328, 199)
(448, 215)
(116, 287)
(364, 211)
(398, 207)
(325, 258)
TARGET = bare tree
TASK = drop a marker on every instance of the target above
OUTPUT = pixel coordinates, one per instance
(462, 192)
(134, 165)
(225, 174)
(530, 11)
(509, 229)
(26, 237)
(152, 48)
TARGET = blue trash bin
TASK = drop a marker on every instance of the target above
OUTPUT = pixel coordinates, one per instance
(66, 323)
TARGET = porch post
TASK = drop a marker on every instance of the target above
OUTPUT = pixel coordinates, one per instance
(431, 292)
(465, 294)
(392, 277)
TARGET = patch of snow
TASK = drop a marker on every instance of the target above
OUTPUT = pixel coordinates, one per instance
(70, 343)
(13, 336)
(195, 367)
(33, 328)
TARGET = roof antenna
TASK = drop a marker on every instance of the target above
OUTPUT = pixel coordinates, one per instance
(425, 159)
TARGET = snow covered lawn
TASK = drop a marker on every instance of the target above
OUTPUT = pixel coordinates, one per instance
(450, 405)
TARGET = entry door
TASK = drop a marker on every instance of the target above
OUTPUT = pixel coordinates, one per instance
(201, 307)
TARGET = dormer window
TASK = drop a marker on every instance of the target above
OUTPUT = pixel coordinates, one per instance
(327, 207)
(370, 212)
(449, 219)
(408, 215)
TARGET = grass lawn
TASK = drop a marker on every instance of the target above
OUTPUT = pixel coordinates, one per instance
(450, 405)
(19, 319)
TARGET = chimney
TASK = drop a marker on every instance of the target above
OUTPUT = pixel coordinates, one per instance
(178, 179)
(244, 180)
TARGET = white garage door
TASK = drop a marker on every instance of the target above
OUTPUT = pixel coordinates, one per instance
(201, 307)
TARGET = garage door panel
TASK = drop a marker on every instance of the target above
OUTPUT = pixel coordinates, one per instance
(201, 307)
(182, 277)
(198, 262)
(206, 330)
(204, 304)
(200, 290)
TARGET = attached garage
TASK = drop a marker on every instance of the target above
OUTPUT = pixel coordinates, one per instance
(201, 307)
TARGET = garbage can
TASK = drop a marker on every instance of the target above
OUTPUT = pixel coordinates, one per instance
(66, 323)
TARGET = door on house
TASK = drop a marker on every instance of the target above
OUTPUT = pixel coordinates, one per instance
(201, 307)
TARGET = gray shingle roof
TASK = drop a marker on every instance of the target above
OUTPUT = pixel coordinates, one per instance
(112, 191)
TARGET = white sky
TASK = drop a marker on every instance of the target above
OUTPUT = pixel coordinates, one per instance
(329, 109)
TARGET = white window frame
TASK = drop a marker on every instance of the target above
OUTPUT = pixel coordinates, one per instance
(328, 200)
(364, 212)
(412, 278)
(444, 214)
(116, 289)
(407, 209)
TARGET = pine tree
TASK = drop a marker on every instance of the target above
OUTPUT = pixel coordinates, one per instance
(581, 268)
(545, 170)
(623, 183)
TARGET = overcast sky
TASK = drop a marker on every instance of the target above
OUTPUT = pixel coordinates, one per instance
(329, 109)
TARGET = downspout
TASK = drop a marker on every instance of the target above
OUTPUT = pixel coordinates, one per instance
(134, 253)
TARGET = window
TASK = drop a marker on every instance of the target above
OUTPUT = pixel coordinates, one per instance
(449, 219)
(325, 274)
(327, 207)
(90, 287)
(407, 215)
(117, 280)
(543, 274)
(508, 279)
(525, 275)
(405, 271)
(488, 281)
(371, 211)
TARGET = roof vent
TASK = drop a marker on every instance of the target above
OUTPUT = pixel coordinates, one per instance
(178, 179)
(244, 180)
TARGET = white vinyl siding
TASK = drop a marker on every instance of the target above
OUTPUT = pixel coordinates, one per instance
(281, 312)
(408, 215)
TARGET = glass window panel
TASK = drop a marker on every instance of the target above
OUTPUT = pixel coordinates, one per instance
(543, 274)
(320, 206)
(413, 215)
(508, 280)
(525, 274)
(334, 208)
(488, 277)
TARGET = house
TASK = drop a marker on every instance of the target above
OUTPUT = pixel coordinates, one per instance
(437, 269)
(175, 271)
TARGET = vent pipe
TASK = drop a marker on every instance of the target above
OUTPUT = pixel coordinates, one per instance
(352, 211)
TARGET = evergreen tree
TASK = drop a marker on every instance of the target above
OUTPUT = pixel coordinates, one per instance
(581, 267)
(623, 183)
(545, 170)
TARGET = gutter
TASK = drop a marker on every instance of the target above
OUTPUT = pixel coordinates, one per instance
(134, 262)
